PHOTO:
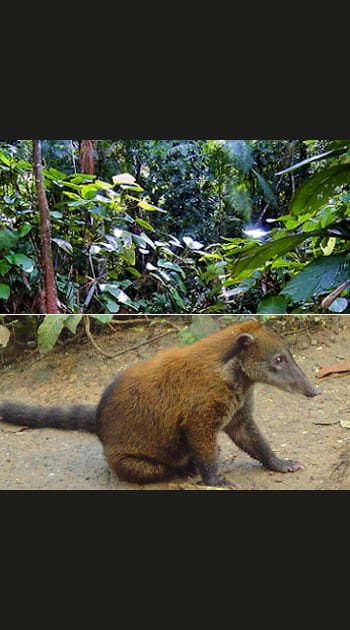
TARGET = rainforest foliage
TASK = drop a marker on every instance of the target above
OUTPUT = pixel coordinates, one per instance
(170, 226)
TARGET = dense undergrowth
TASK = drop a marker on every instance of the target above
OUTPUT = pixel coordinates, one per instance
(161, 227)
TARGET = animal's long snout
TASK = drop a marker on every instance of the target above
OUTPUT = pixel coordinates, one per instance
(314, 391)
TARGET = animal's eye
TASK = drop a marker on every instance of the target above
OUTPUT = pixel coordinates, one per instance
(279, 359)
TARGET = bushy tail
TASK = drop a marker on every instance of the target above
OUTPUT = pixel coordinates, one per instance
(75, 418)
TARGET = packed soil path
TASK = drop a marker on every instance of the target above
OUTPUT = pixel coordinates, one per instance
(308, 430)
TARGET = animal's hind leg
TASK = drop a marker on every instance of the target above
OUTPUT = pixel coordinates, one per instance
(139, 470)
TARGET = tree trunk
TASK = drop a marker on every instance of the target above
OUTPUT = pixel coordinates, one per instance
(86, 157)
(50, 297)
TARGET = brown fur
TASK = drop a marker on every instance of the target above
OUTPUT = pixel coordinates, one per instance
(162, 416)
(163, 412)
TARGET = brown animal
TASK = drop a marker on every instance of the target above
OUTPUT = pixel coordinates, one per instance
(161, 416)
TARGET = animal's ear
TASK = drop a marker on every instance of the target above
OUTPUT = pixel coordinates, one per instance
(244, 341)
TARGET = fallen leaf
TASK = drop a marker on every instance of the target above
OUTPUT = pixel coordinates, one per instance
(337, 369)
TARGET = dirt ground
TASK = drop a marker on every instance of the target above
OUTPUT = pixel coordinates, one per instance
(308, 430)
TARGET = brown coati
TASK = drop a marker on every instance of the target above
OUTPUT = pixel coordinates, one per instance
(163, 415)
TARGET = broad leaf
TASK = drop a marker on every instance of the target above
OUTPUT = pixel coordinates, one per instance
(317, 190)
(272, 305)
(49, 331)
(4, 291)
(120, 295)
(145, 225)
(22, 261)
(322, 275)
(89, 191)
(63, 245)
(25, 229)
(171, 265)
(257, 256)
(72, 322)
(102, 318)
(8, 238)
(134, 272)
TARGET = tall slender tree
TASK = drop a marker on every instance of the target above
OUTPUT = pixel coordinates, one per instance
(49, 301)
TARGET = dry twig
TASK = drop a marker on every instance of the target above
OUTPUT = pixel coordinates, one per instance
(108, 355)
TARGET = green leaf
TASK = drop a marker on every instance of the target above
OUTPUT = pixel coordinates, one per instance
(72, 196)
(322, 275)
(78, 204)
(256, 256)
(4, 158)
(178, 280)
(148, 206)
(171, 265)
(54, 174)
(4, 291)
(99, 212)
(25, 229)
(145, 225)
(327, 215)
(176, 297)
(110, 305)
(22, 261)
(143, 240)
(49, 331)
(8, 238)
(25, 166)
(338, 144)
(272, 305)
(134, 272)
(104, 319)
(81, 178)
(317, 190)
(89, 191)
(112, 289)
(72, 322)
(63, 245)
(4, 267)
(145, 205)
(328, 246)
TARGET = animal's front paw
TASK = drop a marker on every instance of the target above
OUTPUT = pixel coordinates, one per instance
(286, 465)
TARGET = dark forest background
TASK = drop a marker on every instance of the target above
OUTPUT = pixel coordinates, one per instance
(170, 226)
